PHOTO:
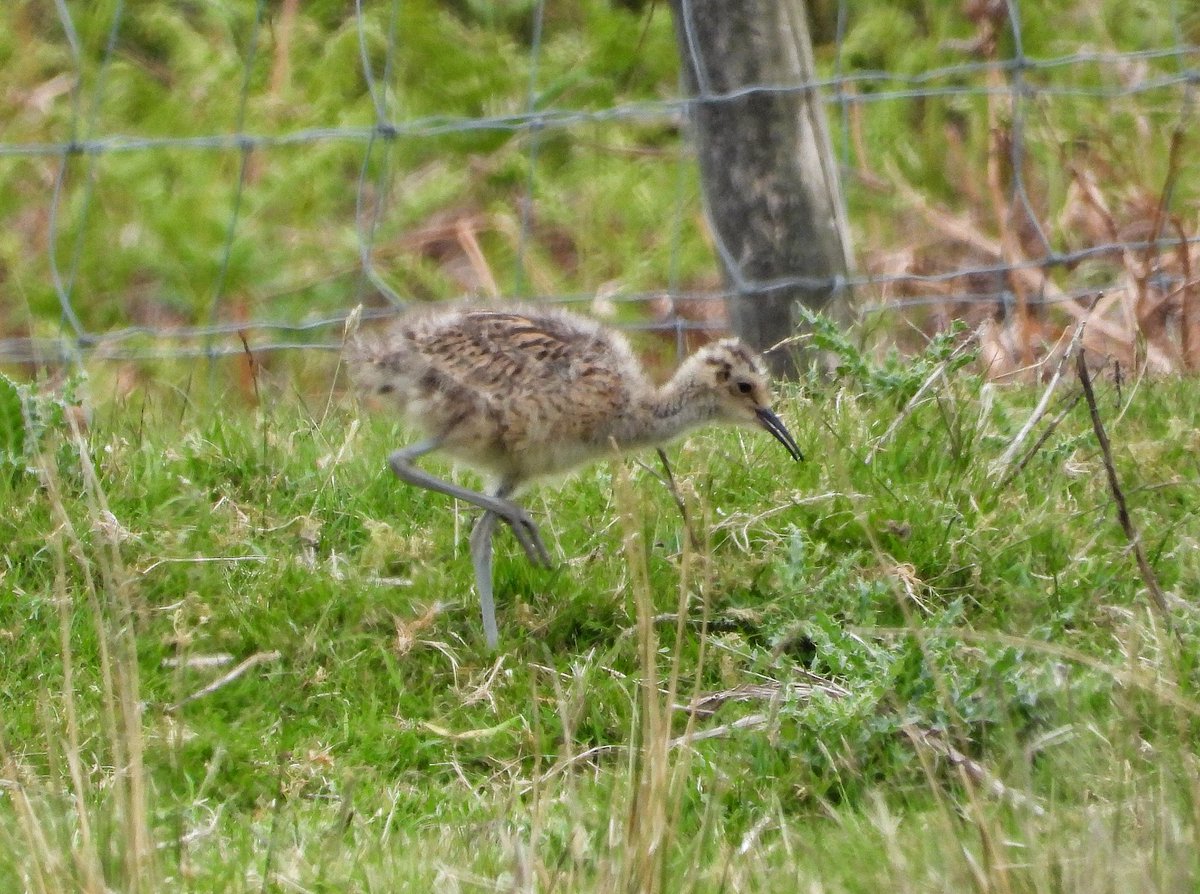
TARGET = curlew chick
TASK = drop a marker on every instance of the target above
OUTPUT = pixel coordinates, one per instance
(520, 394)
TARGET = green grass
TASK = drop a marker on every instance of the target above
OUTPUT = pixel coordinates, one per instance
(383, 748)
(892, 673)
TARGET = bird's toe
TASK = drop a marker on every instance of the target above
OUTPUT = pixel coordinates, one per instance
(530, 538)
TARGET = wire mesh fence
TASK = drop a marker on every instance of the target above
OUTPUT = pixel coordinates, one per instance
(201, 181)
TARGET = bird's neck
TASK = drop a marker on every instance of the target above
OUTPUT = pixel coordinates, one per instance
(669, 411)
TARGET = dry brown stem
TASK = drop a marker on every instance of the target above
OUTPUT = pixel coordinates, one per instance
(1149, 578)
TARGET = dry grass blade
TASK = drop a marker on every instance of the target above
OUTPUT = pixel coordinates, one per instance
(668, 481)
(1001, 466)
(465, 231)
(41, 858)
(810, 684)
(938, 372)
(647, 818)
(977, 772)
(225, 679)
(101, 850)
(750, 721)
(1053, 425)
(87, 857)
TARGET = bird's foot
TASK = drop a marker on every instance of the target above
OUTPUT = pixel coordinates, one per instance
(527, 534)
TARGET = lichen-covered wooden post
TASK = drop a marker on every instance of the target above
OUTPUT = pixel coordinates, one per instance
(769, 174)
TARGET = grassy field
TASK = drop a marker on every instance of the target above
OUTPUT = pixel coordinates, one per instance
(238, 655)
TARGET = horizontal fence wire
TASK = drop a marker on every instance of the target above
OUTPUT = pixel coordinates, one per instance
(1022, 79)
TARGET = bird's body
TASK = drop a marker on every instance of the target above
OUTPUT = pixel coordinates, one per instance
(524, 393)
(514, 395)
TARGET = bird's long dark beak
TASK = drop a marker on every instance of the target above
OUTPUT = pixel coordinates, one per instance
(775, 426)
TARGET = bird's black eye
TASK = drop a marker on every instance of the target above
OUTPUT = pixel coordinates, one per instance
(744, 387)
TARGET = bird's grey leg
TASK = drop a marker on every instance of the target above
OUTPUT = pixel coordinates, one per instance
(510, 513)
(481, 558)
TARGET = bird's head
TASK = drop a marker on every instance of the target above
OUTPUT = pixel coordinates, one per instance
(736, 379)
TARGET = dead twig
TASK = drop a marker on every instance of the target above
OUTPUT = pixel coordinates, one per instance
(1148, 576)
(1189, 312)
(251, 366)
(1150, 317)
(1162, 209)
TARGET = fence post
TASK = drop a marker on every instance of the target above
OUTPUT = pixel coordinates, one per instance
(769, 175)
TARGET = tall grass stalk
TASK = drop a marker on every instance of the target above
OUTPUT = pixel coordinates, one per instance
(89, 831)
(661, 770)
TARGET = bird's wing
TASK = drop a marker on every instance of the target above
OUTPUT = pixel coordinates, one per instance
(504, 351)
(541, 379)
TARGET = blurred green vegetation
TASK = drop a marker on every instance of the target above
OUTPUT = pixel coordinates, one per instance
(149, 236)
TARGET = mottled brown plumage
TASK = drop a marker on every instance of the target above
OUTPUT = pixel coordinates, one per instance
(524, 393)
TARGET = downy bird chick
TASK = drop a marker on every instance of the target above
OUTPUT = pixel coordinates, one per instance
(525, 393)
